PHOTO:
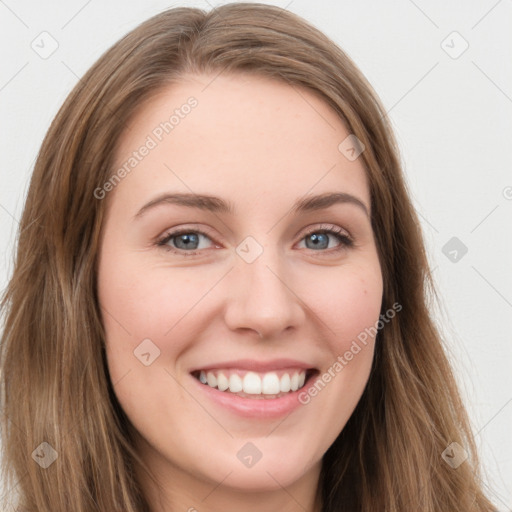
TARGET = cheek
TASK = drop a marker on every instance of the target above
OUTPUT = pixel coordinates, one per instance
(347, 302)
(348, 305)
(159, 304)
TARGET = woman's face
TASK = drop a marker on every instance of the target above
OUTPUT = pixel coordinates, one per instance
(253, 291)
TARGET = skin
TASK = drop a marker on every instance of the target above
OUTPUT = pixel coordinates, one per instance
(260, 144)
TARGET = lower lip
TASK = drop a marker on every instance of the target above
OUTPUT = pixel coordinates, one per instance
(262, 408)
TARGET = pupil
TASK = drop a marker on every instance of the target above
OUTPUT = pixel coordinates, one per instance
(317, 240)
(188, 239)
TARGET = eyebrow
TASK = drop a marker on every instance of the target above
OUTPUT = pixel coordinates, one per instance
(218, 205)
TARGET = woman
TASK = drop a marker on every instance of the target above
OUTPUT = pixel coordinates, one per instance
(263, 371)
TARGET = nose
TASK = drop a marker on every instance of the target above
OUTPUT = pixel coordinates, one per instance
(262, 298)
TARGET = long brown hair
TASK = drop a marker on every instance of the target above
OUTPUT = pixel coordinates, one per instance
(55, 383)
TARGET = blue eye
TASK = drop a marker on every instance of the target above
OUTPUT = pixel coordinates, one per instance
(320, 237)
(185, 242)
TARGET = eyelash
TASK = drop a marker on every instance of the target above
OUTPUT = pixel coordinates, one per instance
(345, 240)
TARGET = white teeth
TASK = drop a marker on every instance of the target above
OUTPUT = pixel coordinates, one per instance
(222, 382)
(270, 384)
(235, 383)
(211, 379)
(294, 383)
(285, 383)
(253, 383)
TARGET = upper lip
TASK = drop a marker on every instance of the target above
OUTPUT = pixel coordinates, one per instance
(256, 366)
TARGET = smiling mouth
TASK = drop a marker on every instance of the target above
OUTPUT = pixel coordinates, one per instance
(256, 385)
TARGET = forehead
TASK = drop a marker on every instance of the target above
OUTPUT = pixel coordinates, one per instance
(238, 135)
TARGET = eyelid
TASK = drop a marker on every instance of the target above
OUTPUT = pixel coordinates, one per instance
(172, 232)
(324, 227)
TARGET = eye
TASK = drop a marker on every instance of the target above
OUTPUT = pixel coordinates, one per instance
(187, 241)
(319, 237)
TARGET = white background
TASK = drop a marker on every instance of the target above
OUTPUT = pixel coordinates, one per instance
(453, 121)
